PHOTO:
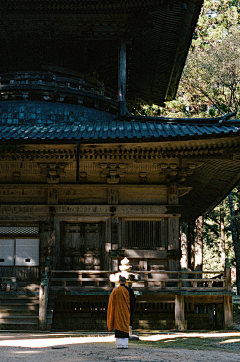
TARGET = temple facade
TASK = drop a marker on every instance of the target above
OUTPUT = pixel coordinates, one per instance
(85, 183)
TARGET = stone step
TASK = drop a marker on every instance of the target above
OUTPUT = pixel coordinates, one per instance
(18, 296)
(21, 311)
(16, 319)
(19, 307)
(18, 302)
(21, 326)
(25, 287)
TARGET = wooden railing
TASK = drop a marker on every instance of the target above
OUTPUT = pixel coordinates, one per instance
(40, 80)
(174, 280)
(183, 279)
(66, 278)
(22, 273)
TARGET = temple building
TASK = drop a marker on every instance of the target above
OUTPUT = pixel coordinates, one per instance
(85, 183)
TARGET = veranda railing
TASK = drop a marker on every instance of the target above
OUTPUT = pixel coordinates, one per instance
(183, 280)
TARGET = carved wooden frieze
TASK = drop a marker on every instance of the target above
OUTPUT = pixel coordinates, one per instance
(140, 210)
(129, 166)
(31, 154)
(24, 212)
(119, 210)
(37, 211)
(18, 166)
(23, 209)
(8, 191)
(82, 209)
(143, 167)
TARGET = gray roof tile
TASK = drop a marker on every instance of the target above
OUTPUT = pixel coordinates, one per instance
(36, 121)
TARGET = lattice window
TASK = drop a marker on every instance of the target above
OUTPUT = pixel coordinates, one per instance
(144, 234)
(19, 230)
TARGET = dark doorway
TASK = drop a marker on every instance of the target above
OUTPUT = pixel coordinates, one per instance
(82, 246)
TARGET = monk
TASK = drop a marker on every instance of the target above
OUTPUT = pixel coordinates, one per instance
(119, 315)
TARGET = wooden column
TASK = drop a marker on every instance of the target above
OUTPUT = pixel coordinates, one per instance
(173, 229)
(228, 311)
(179, 312)
(184, 246)
(223, 253)
(191, 249)
(227, 275)
(42, 307)
(122, 79)
(227, 299)
(184, 250)
(113, 224)
(56, 236)
(199, 245)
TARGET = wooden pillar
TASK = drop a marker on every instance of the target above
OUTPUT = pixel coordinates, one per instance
(199, 245)
(184, 250)
(223, 253)
(228, 311)
(179, 312)
(173, 229)
(184, 246)
(210, 311)
(42, 307)
(56, 240)
(113, 225)
(122, 79)
(219, 320)
(227, 275)
(191, 249)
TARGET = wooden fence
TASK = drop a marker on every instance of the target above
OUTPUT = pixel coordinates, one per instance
(22, 273)
(180, 280)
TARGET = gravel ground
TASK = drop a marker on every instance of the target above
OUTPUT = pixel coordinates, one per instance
(36, 347)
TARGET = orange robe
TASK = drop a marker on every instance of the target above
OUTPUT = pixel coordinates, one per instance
(118, 313)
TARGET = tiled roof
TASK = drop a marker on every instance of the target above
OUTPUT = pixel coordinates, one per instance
(55, 122)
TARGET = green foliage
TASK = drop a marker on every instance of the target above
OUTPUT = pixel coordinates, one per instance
(212, 237)
(209, 87)
(210, 84)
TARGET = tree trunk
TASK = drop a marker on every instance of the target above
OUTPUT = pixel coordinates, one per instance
(223, 252)
(235, 241)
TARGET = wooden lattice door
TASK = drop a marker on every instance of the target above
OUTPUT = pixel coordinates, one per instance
(82, 246)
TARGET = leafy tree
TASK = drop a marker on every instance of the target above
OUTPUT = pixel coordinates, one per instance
(212, 258)
(210, 83)
(210, 86)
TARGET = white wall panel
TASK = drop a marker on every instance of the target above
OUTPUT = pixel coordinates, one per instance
(27, 252)
(7, 252)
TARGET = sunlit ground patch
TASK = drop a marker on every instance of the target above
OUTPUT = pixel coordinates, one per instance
(50, 342)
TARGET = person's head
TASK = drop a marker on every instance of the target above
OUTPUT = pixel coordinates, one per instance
(122, 280)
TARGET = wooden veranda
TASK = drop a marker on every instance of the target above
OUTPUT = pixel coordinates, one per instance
(80, 295)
